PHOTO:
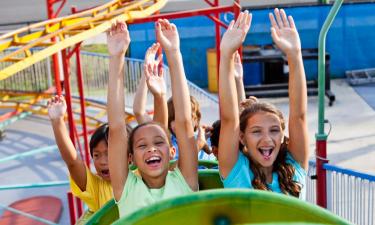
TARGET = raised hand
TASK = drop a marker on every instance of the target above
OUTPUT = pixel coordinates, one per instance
(155, 79)
(238, 69)
(56, 107)
(150, 55)
(202, 139)
(284, 32)
(118, 39)
(167, 35)
(236, 33)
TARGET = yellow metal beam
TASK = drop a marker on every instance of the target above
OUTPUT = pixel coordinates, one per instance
(95, 21)
(31, 102)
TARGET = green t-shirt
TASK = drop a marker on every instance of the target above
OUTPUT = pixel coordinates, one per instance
(137, 195)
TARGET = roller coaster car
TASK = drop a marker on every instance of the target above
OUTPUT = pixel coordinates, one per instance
(232, 207)
(106, 215)
(208, 179)
(226, 207)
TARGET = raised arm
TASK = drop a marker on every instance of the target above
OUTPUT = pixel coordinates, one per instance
(140, 98)
(139, 104)
(238, 74)
(202, 139)
(168, 37)
(156, 85)
(229, 132)
(285, 35)
(76, 166)
(118, 41)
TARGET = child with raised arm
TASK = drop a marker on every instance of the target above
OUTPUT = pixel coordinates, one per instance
(157, 86)
(271, 161)
(148, 145)
(93, 190)
(204, 151)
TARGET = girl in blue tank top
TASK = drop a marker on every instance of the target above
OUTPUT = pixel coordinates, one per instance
(268, 160)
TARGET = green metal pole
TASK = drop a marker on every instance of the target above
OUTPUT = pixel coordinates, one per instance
(14, 119)
(40, 185)
(321, 137)
(29, 153)
(321, 66)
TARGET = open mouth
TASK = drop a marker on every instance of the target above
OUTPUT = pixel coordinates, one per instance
(266, 152)
(153, 160)
(105, 173)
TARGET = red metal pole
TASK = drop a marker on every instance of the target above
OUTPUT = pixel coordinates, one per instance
(321, 183)
(178, 15)
(55, 57)
(237, 11)
(72, 210)
(68, 96)
(79, 207)
(209, 3)
(8, 115)
(82, 104)
(160, 50)
(217, 42)
(216, 20)
(81, 89)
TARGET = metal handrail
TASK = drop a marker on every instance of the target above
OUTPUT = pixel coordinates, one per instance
(349, 172)
(321, 66)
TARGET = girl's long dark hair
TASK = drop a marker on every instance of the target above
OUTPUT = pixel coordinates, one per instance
(284, 170)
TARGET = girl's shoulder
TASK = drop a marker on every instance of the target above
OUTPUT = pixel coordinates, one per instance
(300, 173)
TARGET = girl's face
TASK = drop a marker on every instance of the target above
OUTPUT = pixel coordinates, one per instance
(100, 158)
(263, 137)
(151, 151)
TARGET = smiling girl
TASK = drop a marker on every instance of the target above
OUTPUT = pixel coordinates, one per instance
(269, 160)
(148, 145)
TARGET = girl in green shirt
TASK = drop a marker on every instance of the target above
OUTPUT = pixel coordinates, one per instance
(148, 145)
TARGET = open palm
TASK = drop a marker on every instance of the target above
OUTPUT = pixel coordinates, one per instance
(167, 35)
(118, 39)
(155, 79)
(236, 33)
(156, 84)
(56, 107)
(284, 32)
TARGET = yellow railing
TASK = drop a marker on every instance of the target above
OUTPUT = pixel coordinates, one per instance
(36, 103)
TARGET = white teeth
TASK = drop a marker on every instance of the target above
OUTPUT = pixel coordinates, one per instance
(153, 158)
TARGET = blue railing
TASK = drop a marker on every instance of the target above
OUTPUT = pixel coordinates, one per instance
(349, 172)
(350, 194)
